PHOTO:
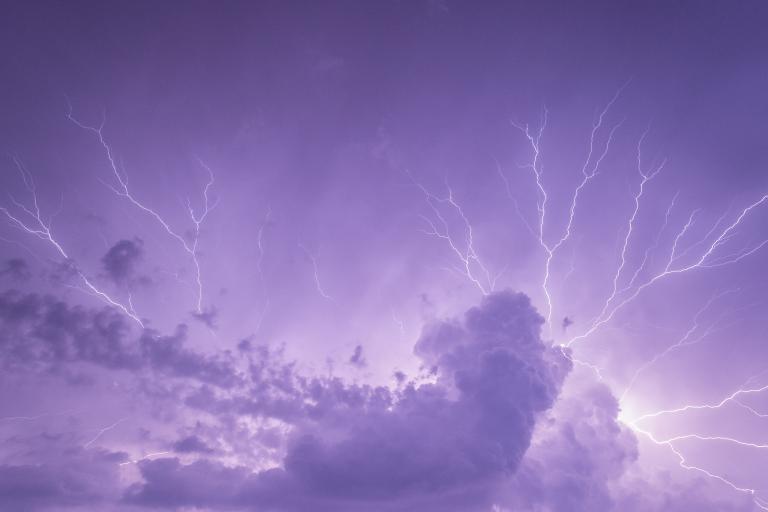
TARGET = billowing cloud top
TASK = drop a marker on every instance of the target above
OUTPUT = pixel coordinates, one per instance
(441, 445)
(457, 437)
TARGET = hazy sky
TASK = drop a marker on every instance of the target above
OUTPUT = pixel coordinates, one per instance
(383, 256)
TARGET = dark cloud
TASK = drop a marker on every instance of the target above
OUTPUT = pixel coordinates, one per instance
(42, 487)
(49, 472)
(444, 445)
(16, 268)
(169, 484)
(121, 259)
(486, 429)
(191, 444)
(168, 354)
(207, 317)
(42, 331)
(357, 359)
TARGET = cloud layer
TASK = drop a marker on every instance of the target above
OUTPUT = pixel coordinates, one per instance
(441, 445)
(496, 421)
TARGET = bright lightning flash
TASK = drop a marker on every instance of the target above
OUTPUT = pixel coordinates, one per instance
(707, 252)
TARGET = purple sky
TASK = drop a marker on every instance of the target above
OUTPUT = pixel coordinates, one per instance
(384, 256)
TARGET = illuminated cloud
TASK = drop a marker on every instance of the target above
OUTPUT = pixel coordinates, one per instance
(429, 445)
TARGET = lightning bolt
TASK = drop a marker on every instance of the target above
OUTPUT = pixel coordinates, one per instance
(645, 176)
(512, 198)
(669, 443)
(260, 242)
(32, 223)
(472, 266)
(598, 371)
(685, 340)
(148, 456)
(38, 416)
(103, 431)
(670, 269)
(316, 274)
(261, 315)
(707, 252)
(716, 438)
(198, 220)
(589, 170)
(752, 410)
(653, 246)
(121, 189)
(743, 390)
(398, 321)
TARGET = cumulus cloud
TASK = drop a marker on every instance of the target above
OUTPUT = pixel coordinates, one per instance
(121, 259)
(444, 445)
(357, 359)
(583, 459)
(496, 424)
(191, 444)
(45, 471)
(44, 332)
(207, 317)
(579, 449)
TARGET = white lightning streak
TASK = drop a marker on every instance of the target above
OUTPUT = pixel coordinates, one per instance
(733, 397)
(122, 190)
(726, 439)
(751, 409)
(38, 416)
(645, 176)
(590, 169)
(260, 242)
(103, 431)
(512, 198)
(148, 456)
(700, 262)
(717, 405)
(684, 340)
(653, 246)
(398, 321)
(198, 221)
(622, 294)
(41, 229)
(316, 274)
(685, 465)
(471, 262)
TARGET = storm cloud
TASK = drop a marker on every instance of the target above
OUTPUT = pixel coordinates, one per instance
(454, 439)
(45, 332)
(122, 259)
